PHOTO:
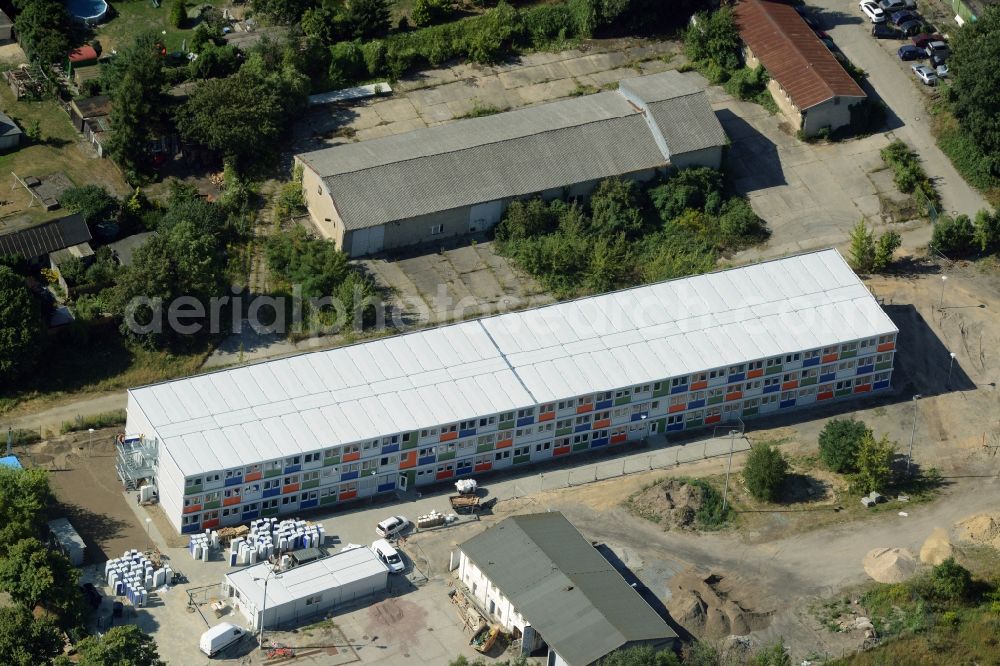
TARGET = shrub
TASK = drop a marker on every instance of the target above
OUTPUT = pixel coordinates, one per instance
(765, 472)
(347, 63)
(951, 581)
(887, 245)
(710, 514)
(775, 654)
(178, 13)
(427, 12)
(95, 421)
(713, 38)
(987, 234)
(545, 24)
(862, 247)
(953, 236)
(839, 442)
(874, 464)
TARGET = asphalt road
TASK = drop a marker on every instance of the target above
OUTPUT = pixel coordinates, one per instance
(893, 82)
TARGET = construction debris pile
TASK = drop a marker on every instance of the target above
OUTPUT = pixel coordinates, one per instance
(710, 606)
(890, 565)
(673, 503)
(982, 529)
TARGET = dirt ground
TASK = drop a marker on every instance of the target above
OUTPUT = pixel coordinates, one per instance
(82, 473)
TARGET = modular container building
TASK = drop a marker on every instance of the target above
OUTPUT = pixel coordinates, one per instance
(331, 426)
(306, 591)
(68, 540)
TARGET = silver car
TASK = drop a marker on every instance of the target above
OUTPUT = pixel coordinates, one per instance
(925, 74)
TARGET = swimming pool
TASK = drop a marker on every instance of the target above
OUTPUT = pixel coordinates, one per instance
(90, 11)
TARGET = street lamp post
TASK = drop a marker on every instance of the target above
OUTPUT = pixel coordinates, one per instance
(149, 541)
(944, 280)
(725, 493)
(263, 611)
(951, 364)
(90, 439)
(913, 431)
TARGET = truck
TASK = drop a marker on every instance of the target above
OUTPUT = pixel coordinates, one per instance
(220, 637)
(464, 503)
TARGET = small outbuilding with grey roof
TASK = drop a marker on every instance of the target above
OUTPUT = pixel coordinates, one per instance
(456, 179)
(541, 580)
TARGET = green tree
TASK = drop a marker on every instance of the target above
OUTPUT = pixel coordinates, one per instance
(951, 581)
(862, 247)
(953, 236)
(987, 231)
(874, 463)
(43, 28)
(610, 264)
(839, 442)
(765, 472)
(347, 64)
(178, 13)
(21, 328)
(702, 653)
(25, 640)
(281, 11)
(640, 656)
(887, 245)
(713, 39)
(771, 655)
(24, 496)
(367, 18)
(323, 25)
(124, 645)
(695, 189)
(427, 12)
(616, 209)
(34, 574)
(94, 202)
(975, 89)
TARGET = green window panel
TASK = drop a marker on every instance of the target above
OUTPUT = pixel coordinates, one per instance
(212, 505)
(848, 354)
(506, 425)
(662, 392)
(808, 381)
(563, 431)
(843, 392)
(310, 484)
(582, 446)
(413, 441)
(329, 499)
(446, 456)
(331, 461)
(483, 448)
(715, 401)
(661, 425)
(411, 477)
(693, 424)
(773, 370)
(270, 512)
(883, 366)
(273, 472)
(191, 490)
(522, 459)
(750, 412)
(623, 401)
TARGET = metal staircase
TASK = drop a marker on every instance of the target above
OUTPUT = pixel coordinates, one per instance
(136, 461)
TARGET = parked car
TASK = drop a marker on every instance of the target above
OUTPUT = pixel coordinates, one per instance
(910, 52)
(904, 16)
(942, 70)
(872, 11)
(885, 31)
(391, 527)
(938, 49)
(896, 5)
(925, 38)
(92, 595)
(910, 27)
(389, 555)
(926, 75)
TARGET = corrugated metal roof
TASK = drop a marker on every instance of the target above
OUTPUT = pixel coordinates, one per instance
(792, 53)
(306, 580)
(512, 154)
(44, 238)
(496, 364)
(566, 590)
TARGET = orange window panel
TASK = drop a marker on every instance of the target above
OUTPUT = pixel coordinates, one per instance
(547, 416)
(713, 419)
(209, 524)
(759, 372)
(483, 467)
(253, 476)
(603, 423)
(348, 457)
(618, 439)
(829, 357)
(448, 436)
(735, 395)
(561, 450)
(351, 494)
(192, 508)
(504, 443)
(409, 460)
(825, 395)
(790, 385)
(864, 388)
(886, 346)
(290, 488)
(676, 408)
(699, 385)
(229, 501)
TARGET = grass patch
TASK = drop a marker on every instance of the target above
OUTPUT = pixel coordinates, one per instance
(139, 16)
(95, 421)
(908, 173)
(481, 110)
(583, 89)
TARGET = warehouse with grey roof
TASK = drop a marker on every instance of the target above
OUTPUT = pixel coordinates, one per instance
(455, 179)
(539, 578)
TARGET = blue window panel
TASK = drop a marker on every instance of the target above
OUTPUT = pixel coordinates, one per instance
(679, 389)
(786, 403)
(308, 504)
(674, 427)
(639, 417)
(810, 362)
(881, 385)
(866, 369)
(774, 388)
(250, 515)
(390, 448)
(467, 433)
(191, 529)
(582, 428)
(738, 377)
(603, 441)
(292, 468)
(349, 476)
(463, 466)
(271, 492)
(426, 460)
(386, 487)
(828, 377)
(604, 404)
(235, 481)
(694, 404)
(527, 420)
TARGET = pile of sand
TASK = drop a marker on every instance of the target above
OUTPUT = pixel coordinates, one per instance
(672, 503)
(708, 606)
(937, 548)
(983, 529)
(890, 565)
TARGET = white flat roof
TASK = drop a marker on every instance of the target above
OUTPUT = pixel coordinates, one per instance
(307, 579)
(505, 362)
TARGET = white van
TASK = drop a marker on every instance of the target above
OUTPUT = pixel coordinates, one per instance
(220, 637)
(389, 555)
